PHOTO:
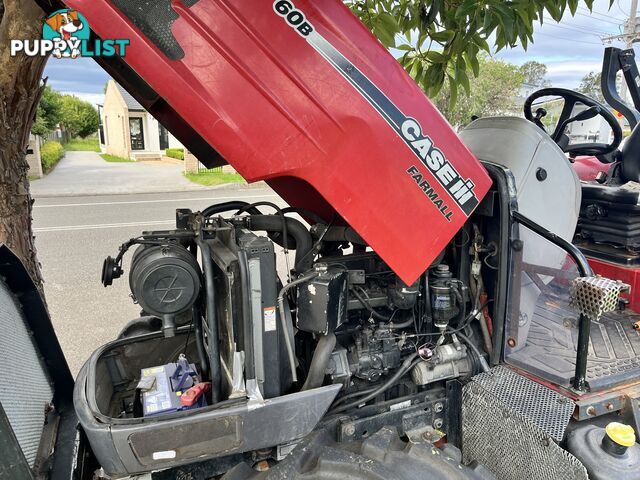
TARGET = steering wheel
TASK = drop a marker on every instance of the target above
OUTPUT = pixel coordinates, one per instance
(593, 108)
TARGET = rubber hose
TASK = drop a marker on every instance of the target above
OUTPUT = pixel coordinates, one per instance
(244, 206)
(339, 234)
(227, 207)
(483, 363)
(283, 319)
(214, 348)
(404, 368)
(295, 229)
(320, 361)
(398, 326)
(461, 305)
(306, 214)
(376, 315)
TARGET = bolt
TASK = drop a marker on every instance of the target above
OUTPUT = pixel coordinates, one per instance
(541, 174)
(349, 430)
(437, 423)
(591, 411)
(609, 406)
(438, 407)
(511, 342)
(545, 442)
(428, 436)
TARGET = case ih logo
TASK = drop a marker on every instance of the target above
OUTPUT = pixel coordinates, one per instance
(460, 190)
(66, 34)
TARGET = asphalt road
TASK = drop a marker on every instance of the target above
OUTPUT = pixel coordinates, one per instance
(75, 234)
(85, 173)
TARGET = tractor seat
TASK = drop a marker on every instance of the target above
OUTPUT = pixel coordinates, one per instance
(611, 215)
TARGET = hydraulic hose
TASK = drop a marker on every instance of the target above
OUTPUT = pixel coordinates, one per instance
(320, 361)
(283, 319)
(406, 366)
(214, 347)
(295, 229)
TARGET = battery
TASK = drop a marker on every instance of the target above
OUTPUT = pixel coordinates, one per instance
(162, 386)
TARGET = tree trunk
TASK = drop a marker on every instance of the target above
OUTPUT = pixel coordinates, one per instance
(20, 91)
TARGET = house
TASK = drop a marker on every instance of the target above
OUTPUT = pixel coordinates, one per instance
(128, 130)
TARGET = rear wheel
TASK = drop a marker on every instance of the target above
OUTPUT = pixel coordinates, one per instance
(382, 456)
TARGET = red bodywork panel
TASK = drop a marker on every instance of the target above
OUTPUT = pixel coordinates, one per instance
(318, 108)
(588, 168)
(628, 275)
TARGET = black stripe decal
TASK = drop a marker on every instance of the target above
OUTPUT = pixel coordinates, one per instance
(392, 115)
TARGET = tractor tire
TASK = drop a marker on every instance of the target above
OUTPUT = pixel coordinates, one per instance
(382, 456)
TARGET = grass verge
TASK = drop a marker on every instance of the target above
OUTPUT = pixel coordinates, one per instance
(114, 159)
(210, 179)
(82, 145)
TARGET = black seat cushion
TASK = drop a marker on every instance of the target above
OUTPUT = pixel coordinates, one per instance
(613, 196)
(610, 214)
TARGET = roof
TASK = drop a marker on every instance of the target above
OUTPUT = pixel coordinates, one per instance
(132, 103)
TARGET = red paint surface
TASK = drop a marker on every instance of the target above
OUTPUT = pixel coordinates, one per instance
(277, 111)
(628, 275)
(588, 168)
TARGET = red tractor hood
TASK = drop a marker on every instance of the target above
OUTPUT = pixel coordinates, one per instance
(300, 94)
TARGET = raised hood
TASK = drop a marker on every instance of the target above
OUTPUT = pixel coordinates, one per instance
(301, 95)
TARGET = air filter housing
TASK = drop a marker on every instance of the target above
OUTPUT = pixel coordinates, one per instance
(166, 281)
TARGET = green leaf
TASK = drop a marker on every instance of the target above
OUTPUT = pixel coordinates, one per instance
(463, 79)
(386, 37)
(435, 57)
(573, 6)
(475, 65)
(443, 36)
(389, 22)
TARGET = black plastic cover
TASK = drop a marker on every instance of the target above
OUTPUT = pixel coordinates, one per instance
(322, 302)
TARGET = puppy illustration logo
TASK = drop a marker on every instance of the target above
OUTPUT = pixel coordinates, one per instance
(69, 26)
(66, 34)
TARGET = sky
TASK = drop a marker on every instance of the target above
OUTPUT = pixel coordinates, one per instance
(570, 49)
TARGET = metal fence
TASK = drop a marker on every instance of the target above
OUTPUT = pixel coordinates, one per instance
(202, 168)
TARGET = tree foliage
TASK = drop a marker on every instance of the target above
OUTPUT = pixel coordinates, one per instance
(534, 73)
(493, 92)
(49, 113)
(80, 118)
(590, 86)
(441, 40)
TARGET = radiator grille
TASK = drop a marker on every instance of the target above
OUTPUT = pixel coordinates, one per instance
(24, 387)
(509, 424)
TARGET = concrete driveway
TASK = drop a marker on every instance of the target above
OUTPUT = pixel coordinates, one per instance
(86, 173)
